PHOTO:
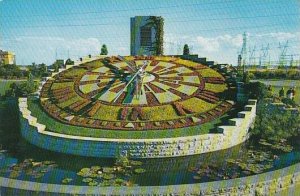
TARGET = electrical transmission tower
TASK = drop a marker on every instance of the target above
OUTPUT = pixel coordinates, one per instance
(171, 47)
(292, 60)
(179, 48)
(282, 56)
(252, 56)
(191, 49)
(243, 54)
(264, 54)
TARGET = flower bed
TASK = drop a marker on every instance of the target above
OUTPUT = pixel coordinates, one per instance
(175, 97)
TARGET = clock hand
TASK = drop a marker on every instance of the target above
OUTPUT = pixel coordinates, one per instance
(119, 94)
(131, 66)
(141, 70)
(145, 64)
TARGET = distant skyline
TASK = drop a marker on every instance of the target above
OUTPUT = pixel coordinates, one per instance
(40, 31)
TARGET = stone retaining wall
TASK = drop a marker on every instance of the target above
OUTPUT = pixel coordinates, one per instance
(230, 135)
(270, 183)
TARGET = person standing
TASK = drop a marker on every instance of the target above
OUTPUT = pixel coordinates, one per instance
(281, 92)
(293, 93)
(289, 93)
(270, 88)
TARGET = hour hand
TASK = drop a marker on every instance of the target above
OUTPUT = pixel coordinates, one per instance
(130, 81)
(130, 65)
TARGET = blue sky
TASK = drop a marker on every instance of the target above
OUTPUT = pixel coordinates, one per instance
(41, 30)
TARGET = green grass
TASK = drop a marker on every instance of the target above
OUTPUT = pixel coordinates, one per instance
(55, 126)
(5, 85)
(278, 84)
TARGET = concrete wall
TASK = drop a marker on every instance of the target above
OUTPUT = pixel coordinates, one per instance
(230, 135)
(270, 183)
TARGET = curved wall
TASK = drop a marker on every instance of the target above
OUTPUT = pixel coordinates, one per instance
(270, 183)
(228, 136)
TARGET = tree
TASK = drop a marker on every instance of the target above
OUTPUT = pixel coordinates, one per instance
(42, 69)
(30, 85)
(104, 50)
(274, 124)
(186, 49)
(246, 78)
(258, 90)
(55, 67)
(69, 62)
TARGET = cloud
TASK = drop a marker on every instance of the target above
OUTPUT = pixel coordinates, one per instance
(224, 48)
(279, 36)
(44, 49)
(208, 44)
(221, 48)
(211, 44)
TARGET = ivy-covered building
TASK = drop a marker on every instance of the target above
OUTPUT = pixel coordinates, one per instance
(146, 35)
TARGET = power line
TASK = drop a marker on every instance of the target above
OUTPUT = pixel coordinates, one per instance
(163, 13)
(170, 21)
(137, 9)
(103, 24)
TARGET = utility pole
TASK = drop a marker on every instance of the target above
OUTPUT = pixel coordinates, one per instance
(191, 47)
(244, 51)
(264, 54)
(252, 56)
(56, 54)
(179, 49)
(292, 61)
(282, 55)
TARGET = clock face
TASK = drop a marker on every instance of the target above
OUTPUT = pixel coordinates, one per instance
(136, 93)
(140, 83)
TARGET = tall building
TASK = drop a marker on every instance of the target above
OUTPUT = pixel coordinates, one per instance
(7, 57)
(146, 35)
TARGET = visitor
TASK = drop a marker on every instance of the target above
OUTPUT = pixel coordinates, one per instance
(289, 93)
(281, 92)
(270, 88)
(293, 92)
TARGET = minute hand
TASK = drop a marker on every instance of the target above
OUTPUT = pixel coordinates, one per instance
(119, 94)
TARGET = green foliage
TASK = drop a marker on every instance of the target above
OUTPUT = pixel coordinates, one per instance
(69, 62)
(258, 90)
(274, 124)
(289, 102)
(104, 50)
(250, 75)
(158, 24)
(246, 78)
(19, 89)
(55, 66)
(292, 74)
(186, 49)
(56, 126)
(122, 161)
(12, 72)
(38, 70)
(6, 86)
(30, 85)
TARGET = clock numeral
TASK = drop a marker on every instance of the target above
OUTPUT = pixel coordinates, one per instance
(214, 80)
(208, 96)
(93, 110)
(132, 114)
(181, 110)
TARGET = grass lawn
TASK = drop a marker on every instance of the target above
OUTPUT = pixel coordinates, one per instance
(5, 85)
(59, 127)
(278, 84)
(293, 190)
